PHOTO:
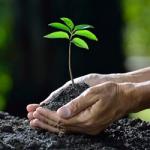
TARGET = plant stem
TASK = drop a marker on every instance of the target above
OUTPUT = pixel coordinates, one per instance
(70, 70)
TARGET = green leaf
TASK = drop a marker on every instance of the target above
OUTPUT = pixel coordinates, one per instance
(83, 26)
(80, 43)
(68, 22)
(57, 35)
(87, 34)
(58, 25)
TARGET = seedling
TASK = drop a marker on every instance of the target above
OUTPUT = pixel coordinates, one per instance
(71, 32)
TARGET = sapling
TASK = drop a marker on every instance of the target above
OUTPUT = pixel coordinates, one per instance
(72, 33)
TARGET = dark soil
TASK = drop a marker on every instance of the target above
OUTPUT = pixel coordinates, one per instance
(65, 96)
(124, 134)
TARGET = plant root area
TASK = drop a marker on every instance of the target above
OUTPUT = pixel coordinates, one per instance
(124, 134)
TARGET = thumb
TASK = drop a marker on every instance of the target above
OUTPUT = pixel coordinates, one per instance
(77, 105)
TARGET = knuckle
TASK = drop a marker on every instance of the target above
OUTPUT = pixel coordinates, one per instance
(36, 114)
(60, 121)
(93, 91)
(29, 115)
(93, 76)
(110, 89)
(73, 106)
(38, 110)
(35, 122)
(89, 123)
(111, 84)
(89, 91)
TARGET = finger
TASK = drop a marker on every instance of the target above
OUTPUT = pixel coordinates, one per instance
(30, 116)
(44, 119)
(52, 115)
(79, 120)
(37, 123)
(32, 107)
(86, 99)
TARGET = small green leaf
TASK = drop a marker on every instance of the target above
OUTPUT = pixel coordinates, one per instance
(80, 43)
(68, 22)
(87, 34)
(57, 35)
(83, 26)
(58, 25)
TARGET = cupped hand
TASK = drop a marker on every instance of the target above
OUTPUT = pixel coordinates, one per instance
(90, 79)
(91, 112)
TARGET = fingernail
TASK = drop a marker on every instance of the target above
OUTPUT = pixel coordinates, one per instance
(64, 112)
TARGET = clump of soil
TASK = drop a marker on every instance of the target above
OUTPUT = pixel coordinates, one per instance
(65, 96)
(124, 134)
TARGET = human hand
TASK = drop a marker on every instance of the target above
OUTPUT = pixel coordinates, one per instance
(91, 112)
(90, 79)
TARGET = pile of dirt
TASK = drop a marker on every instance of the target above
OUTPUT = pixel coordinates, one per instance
(64, 96)
(124, 134)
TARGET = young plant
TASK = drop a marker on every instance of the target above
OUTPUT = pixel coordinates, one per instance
(71, 32)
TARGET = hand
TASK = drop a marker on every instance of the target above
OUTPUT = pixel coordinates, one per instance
(91, 112)
(90, 79)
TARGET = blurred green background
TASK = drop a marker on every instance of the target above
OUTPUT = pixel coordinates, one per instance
(137, 39)
(5, 40)
(135, 31)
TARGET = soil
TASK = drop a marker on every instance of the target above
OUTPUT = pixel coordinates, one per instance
(124, 134)
(65, 96)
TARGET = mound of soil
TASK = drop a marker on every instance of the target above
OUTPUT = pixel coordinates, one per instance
(64, 96)
(124, 134)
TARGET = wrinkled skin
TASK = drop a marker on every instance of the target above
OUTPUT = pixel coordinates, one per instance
(108, 99)
(89, 113)
(90, 79)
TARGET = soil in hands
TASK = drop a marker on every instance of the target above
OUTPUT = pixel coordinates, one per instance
(124, 134)
(65, 96)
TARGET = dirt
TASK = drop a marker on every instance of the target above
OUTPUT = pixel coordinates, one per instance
(124, 134)
(65, 96)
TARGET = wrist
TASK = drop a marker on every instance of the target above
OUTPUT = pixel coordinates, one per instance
(128, 96)
(94, 78)
(136, 96)
(142, 95)
(119, 77)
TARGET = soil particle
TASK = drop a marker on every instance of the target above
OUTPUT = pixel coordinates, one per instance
(124, 134)
(7, 128)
